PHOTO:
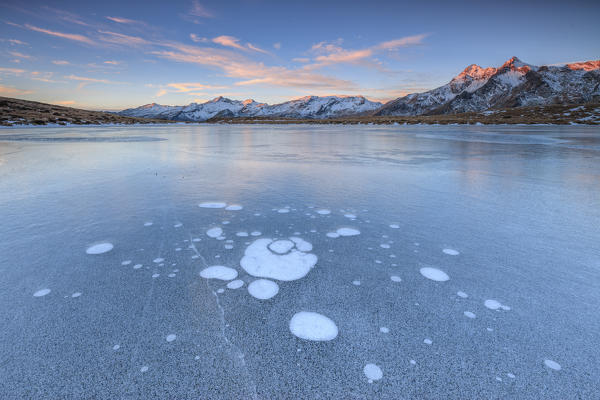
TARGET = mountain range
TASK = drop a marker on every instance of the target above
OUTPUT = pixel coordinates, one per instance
(476, 89)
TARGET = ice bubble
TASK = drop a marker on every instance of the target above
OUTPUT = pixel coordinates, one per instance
(219, 272)
(215, 232)
(155, 275)
(242, 234)
(158, 260)
(41, 292)
(148, 223)
(356, 283)
(126, 262)
(76, 294)
(394, 226)
(171, 337)
(233, 207)
(451, 252)
(384, 246)
(283, 211)
(351, 216)
(263, 289)
(99, 248)
(332, 235)
(313, 326)
(348, 232)
(434, 274)
(372, 372)
(260, 261)
(383, 329)
(512, 376)
(238, 283)
(427, 341)
(221, 290)
(469, 314)
(552, 365)
(212, 204)
(256, 233)
(462, 294)
(137, 266)
(178, 225)
(228, 246)
(116, 347)
(495, 304)
(171, 275)
(395, 278)
(323, 211)
(281, 246)
(144, 368)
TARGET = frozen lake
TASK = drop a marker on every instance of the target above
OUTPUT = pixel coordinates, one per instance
(300, 262)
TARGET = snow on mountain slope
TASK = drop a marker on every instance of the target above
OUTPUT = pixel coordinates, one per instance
(513, 84)
(305, 107)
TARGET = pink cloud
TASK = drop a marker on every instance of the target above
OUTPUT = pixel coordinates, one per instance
(69, 36)
(198, 10)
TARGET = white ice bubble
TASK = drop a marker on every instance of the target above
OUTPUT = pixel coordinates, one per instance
(148, 223)
(451, 252)
(228, 246)
(256, 233)
(233, 207)
(144, 368)
(283, 210)
(158, 260)
(155, 275)
(348, 232)
(220, 290)
(171, 275)
(384, 329)
(469, 314)
(356, 283)
(260, 261)
(219, 272)
(427, 341)
(394, 226)
(351, 216)
(178, 225)
(462, 294)
(384, 246)
(495, 305)
(238, 283)
(41, 292)
(552, 365)
(263, 289)
(212, 204)
(395, 278)
(434, 274)
(116, 347)
(137, 266)
(512, 376)
(313, 326)
(126, 262)
(76, 294)
(242, 234)
(332, 235)
(214, 232)
(281, 246)
(372, 372)
(99, 248)
(171, 337)
(324, 211)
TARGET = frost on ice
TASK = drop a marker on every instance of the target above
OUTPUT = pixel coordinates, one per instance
(434, 274)
(263, 289)
(262, 261)
(313, 326)
(99, 248)
(219, 272)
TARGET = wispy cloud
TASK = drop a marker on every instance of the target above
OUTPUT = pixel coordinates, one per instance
(86, 81)
(198, 39)
(14, 42)
(233, 42)
(112, 62)
(12, 71)
(198, 10)
(122, 39)
(277, 45)
(121, 20)
(65, 102)
(12, 91)
(69, 36)
(60, 62)
(20, 55)
(192, 88)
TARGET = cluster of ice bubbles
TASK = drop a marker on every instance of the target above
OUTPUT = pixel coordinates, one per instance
(290, 259)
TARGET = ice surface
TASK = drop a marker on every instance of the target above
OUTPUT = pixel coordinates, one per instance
(261, 262)
(373, 372)
(313, 326)
(215, 232)
(219, 272)
(236, 284)
(212, 204)
(41, 292)
(552, 365)
(434, 274)
(99, 248)
(263, 289)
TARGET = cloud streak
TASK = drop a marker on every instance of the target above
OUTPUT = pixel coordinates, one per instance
(69, 36)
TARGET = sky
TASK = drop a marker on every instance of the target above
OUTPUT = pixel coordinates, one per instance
(111, 55)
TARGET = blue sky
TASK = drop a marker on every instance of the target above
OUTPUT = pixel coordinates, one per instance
(118, 54)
